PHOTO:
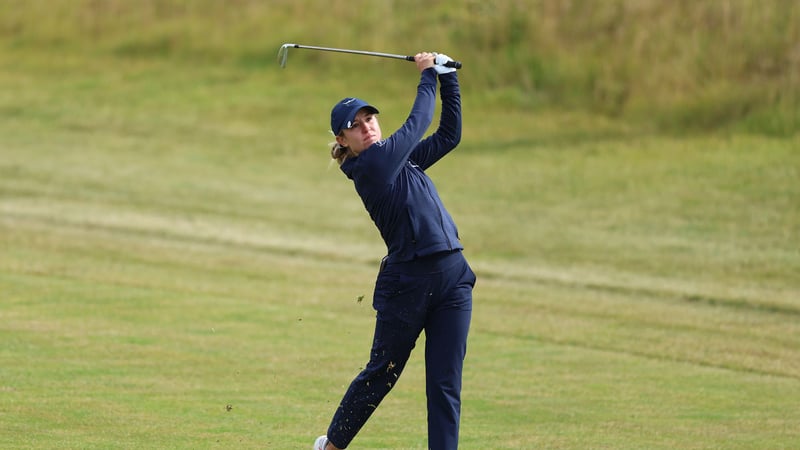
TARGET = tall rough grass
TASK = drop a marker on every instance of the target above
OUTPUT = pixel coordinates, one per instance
(682, 64)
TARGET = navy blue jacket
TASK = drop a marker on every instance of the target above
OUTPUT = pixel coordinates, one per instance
(389, 175)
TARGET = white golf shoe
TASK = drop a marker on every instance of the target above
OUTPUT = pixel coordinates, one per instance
(320, 443)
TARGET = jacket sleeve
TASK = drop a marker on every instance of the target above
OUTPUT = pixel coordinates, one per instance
(448, 135)
(387, 158)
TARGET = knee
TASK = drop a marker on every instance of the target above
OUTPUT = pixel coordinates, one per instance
(386, 370)
(445, 383)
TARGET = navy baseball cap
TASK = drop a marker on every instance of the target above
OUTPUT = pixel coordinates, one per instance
(344, 112)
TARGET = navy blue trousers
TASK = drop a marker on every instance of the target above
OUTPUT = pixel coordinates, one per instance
(433, 294)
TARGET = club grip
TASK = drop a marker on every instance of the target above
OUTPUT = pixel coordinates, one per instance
(453, 64)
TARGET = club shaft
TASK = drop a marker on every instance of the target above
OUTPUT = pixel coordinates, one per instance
(455, 64)
(354, 52)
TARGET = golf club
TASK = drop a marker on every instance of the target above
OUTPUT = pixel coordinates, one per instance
(283, 54)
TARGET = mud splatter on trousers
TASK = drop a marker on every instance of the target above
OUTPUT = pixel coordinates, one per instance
(431, 294)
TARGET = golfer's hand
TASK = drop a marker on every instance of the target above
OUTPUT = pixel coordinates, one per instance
(440, 60)
(424, 60)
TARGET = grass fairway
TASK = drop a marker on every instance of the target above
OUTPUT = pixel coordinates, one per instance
(181, 268)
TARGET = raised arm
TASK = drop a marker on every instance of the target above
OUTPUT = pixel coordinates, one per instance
(448, 134)
(385, 163)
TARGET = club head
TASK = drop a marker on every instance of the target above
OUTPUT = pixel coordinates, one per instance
(283, 54)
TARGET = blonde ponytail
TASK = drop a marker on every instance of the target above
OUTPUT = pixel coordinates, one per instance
(340, 153)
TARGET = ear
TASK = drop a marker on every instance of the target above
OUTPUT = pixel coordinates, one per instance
(341, 140)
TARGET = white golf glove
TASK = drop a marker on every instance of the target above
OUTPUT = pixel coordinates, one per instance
(438, 64)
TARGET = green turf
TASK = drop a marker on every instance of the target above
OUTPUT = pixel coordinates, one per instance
(180, 267)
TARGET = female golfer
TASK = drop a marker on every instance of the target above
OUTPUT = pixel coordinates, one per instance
(424, 281)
